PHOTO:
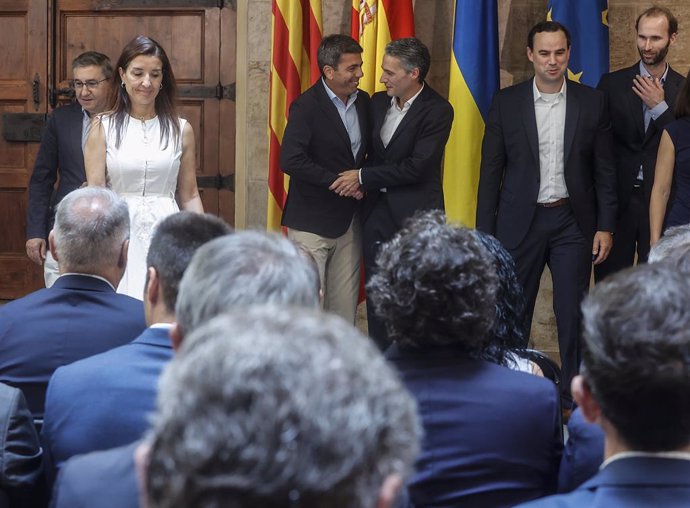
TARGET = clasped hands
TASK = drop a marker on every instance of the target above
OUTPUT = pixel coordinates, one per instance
(347, 184)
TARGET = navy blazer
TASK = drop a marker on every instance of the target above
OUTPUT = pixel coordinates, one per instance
(409, 167)
(315, 150)
(583, 453)
(509, 174)
(632, 145)
(103, 401)
(60, 151)
(78, 316)
(21, 470)
(492, 435)
(105, 479)
(635, 482)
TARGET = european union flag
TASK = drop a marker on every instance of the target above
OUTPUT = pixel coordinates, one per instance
(587, 22)
(474, 77)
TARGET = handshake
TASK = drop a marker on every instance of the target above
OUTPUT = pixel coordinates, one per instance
(347, 184)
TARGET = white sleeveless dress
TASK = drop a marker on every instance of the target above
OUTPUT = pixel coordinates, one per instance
(145, 174)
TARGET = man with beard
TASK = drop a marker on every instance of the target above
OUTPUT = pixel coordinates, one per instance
(641, 100)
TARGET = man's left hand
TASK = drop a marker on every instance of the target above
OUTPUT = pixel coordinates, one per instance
(347, 183)
(601, 247)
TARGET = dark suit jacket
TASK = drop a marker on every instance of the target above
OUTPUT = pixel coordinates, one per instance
(21, 471)
(60, 151)
(410, 166)
(492, 435)
(639, 482)
(78, 316)
(509, 175)
(632, 145)
(103, 401)
(105, 479)
(315, 149)
(583, 453)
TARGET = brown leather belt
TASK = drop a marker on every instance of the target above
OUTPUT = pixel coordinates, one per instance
(554, 204)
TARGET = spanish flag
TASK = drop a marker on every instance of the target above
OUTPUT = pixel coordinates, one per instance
(296, 35)
(587, 22)
(474, 79)
(374, 24)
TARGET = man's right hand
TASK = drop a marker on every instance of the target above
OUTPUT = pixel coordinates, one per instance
(36, 250)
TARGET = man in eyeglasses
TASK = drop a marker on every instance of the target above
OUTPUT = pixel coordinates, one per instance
(60, 153)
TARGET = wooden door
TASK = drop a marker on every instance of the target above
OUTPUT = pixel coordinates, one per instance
(199, 38)
(23, 74)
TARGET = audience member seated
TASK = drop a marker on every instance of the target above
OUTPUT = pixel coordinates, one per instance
(238, 270)
(81, 314)
(21, 472)
(635, 384)
(104, 401)
(492, 435)
(307, 413)
(584, 449)
(509, 334)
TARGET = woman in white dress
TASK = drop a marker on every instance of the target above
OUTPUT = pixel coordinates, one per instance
(144, 151)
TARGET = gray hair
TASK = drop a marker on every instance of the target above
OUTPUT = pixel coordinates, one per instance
(412, 53)
(248, 267)
(674, 238)
(276, 407)
(91, 225)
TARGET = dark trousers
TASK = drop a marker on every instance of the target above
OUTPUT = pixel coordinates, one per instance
(632, 236)
(378, 227)
(555, 239)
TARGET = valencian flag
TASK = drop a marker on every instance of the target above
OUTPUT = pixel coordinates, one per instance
(374, 24)
(587, 22)
(296, 36)
(474, 78)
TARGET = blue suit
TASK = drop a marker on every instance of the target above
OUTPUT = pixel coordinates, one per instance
(583, 453)
(79, 316)
(105, 479)
(104, 401)
(635, 482)
(492, 435)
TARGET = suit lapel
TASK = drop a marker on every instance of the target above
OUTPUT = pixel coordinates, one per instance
(332, 114)
(529, 120)
(379, 109)
(634, 101)
(572, 113)
(362, 117)
(414, 111)
(76, 130)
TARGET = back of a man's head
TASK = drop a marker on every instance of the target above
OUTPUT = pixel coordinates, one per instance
(676, 239)
(245, 268)
(174, 242)
(278, 407)
(636, 355)
(90, 232)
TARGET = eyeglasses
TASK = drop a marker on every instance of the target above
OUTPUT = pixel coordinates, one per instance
(90, 84)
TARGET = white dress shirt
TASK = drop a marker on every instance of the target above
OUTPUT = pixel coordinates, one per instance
(550, 113)
(348, 114)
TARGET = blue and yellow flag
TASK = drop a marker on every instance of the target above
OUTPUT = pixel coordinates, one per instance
(474, 79)
(587, 22)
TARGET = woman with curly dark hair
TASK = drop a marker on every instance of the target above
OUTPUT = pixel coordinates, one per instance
(492, 434)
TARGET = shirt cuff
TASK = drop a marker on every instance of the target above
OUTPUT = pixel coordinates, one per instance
(658, 110)
(359, 175)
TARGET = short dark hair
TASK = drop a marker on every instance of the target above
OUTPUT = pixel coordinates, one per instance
(174, 242)
(435, 286)
(94, 58)
(334, 46)
(412, 53)
(636, 355)
(654, 12)
(547, 26)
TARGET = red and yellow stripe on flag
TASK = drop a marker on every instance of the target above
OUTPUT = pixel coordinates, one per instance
(297, 31)
(374, 24)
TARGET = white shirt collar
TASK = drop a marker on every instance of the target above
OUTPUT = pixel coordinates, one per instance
(631, 454)
(90, 275)
(537, 94)
(645, 72)
(408, 102)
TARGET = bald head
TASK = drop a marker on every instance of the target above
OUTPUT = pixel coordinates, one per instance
(91, 230)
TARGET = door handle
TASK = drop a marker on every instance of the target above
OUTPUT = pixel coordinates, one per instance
(36, 91)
